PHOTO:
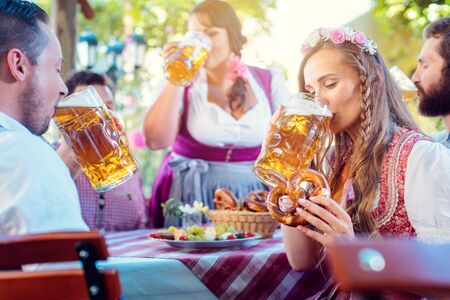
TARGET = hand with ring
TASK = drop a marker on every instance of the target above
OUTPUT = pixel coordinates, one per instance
(329, 221)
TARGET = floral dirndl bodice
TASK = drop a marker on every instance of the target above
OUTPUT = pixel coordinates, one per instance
(390, 213)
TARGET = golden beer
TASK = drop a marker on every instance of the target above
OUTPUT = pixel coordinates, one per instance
(409, 95)
(298, 136)
(184, 62)
(100, 149)
(409, 90)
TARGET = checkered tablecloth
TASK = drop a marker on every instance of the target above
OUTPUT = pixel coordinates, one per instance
(258, 271)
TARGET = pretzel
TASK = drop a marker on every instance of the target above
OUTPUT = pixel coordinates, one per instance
(225, 199)
(294, 190)
(258, 195)
(256, 201)
(255, 205)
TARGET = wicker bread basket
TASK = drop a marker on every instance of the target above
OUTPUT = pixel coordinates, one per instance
(260, 222)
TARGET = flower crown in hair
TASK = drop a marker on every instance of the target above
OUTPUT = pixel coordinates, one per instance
(338, 36)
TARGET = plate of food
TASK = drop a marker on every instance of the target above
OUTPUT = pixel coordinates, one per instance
(196, 237)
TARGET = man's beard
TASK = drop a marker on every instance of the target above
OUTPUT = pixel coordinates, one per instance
(436, 102)
(33, 118)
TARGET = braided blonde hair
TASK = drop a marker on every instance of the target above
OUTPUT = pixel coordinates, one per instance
(381, 110)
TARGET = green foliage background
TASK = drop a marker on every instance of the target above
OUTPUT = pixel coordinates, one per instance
(158, 19)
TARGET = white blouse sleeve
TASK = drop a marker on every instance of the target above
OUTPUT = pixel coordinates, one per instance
(427, 191)
(279, 92)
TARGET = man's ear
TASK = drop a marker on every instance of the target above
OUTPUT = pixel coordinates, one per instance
(18, 64)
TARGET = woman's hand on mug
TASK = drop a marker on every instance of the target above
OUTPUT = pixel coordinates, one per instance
(168, 49)
(68, 156)
(329, 220)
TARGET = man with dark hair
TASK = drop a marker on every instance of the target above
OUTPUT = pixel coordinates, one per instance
(432, 76)
(37, 192)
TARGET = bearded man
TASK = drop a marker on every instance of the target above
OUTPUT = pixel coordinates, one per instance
(432, 76)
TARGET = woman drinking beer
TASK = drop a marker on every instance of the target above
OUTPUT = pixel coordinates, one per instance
(380, 159)
(215, 124)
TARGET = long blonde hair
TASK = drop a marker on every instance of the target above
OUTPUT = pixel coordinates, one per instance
(381, 109)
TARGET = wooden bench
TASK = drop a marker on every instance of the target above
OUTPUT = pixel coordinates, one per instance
(47, 283)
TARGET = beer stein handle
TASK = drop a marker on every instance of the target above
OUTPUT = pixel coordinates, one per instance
(305, 176)
(270, 177)
(322, 153)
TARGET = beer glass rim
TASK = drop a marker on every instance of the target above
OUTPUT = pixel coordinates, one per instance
(200, 36)
(308, 96)
(89, 98)
(401, 79)
(313, 98)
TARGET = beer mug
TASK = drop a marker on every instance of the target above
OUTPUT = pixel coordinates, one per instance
(100, 148)
(409, 90)
(184, 62)
(301, 134)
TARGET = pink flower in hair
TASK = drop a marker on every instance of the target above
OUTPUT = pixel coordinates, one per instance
(360, 37)
(305, 48)
(337, 36)
(237, 69)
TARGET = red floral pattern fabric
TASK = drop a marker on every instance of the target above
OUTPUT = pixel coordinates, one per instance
(390, 213)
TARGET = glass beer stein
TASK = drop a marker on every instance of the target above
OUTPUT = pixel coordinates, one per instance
(409, 90)
(100, 148)
(299, 135)
(184, 62)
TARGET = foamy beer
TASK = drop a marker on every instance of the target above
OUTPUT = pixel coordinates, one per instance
(409, 90)
(100, 148)
(184, 62)
(299, 135)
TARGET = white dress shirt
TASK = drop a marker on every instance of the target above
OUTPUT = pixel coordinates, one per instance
(37, 193)
(427, 191)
